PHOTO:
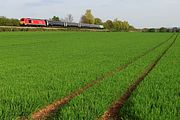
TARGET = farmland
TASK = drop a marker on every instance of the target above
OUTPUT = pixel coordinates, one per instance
(38, 68)
(158, 95)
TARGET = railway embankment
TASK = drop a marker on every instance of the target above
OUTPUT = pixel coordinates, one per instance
(42, 29)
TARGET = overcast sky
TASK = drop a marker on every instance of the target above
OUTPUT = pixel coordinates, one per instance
(140, 13)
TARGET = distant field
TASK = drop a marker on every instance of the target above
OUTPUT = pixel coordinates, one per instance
(38, 68)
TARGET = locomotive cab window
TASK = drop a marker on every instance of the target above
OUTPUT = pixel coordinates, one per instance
(22, 19)
(29, 21)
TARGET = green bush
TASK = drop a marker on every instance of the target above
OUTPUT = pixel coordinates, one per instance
(8, 22)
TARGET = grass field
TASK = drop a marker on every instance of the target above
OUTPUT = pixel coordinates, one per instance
(38, 68)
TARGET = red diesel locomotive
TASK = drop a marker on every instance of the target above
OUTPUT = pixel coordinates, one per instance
(32, 22)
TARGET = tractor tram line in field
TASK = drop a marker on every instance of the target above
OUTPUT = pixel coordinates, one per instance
(49, 110)
(113, 112)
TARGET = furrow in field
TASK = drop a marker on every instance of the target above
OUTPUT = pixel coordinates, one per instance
(112, 113)
(52, 108)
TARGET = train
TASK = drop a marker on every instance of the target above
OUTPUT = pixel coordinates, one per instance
(50, 23)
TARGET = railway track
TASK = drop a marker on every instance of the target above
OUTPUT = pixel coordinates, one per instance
(49, 110)
(20, 28)
(113, 112)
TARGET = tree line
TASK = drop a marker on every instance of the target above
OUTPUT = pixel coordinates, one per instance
(8, 22)
(162, 29)
(88, 17)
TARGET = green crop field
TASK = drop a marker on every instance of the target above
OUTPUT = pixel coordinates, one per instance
(38, 68)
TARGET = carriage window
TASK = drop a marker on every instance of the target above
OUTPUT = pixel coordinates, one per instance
(29, 21)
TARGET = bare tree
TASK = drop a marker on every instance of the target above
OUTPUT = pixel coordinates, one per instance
(69, 18)
(63, 20)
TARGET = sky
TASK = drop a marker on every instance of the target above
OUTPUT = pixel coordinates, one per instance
(139, 13)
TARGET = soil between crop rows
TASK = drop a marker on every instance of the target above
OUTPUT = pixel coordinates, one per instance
(52, 108)
(113, 112)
